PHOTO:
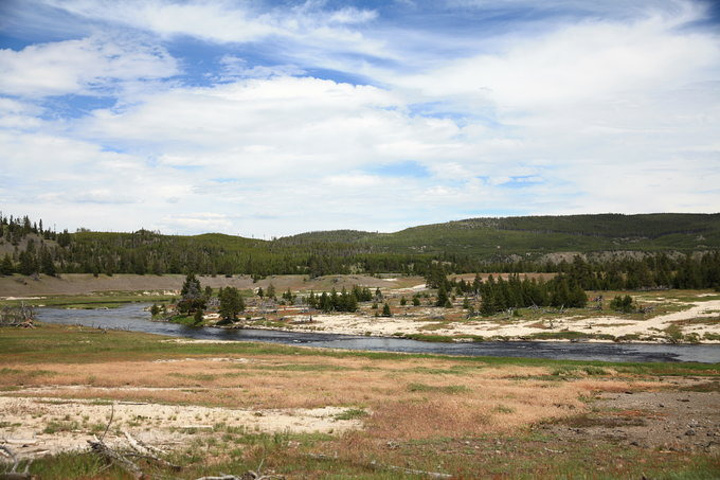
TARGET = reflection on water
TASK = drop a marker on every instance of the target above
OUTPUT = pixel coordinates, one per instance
(134, 317)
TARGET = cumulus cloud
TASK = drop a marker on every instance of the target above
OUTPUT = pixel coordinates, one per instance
(261, 126)
(93, 65)
(590, 60)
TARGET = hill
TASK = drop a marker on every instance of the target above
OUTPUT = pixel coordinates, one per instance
(471, 245)
(493, 238)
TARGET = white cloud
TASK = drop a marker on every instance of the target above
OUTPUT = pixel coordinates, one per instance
(590, 60)
(92, 65)
(309, 24)
(266, 126)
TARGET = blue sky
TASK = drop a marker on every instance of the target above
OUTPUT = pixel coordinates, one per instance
(262, 118)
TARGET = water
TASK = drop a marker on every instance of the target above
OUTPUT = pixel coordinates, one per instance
(134, 317)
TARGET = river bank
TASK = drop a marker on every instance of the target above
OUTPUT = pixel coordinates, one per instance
(696, 323)
(668, 316)
(135, 317)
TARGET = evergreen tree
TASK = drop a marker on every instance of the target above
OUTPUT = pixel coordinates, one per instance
(231, 303)
(48, 266)
(622, 304)
(28, 263)
(442, 297)
(312, 300)
(6, 267)
(191, 299)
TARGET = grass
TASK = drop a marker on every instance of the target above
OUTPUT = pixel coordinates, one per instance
(60, 344)
(352, 414)
(451, 389)
(109, 299)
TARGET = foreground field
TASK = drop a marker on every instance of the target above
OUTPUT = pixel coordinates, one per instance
(301, 413)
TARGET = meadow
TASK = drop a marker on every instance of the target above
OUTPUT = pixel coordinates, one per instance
(232, 408)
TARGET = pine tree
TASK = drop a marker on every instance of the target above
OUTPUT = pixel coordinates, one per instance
(6, 267)
(190, 295)
(231, 303)
(442, 297)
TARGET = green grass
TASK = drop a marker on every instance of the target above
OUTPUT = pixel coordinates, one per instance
(352, 414)
(110, 299)
(577, 372)
(451, 389)
(71, 344)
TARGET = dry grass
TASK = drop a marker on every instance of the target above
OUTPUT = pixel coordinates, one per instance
(409, 398)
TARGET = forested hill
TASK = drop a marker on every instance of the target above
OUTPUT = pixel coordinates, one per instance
(495, 237)
(480, 244)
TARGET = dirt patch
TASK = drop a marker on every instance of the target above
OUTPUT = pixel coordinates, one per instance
(670, 420)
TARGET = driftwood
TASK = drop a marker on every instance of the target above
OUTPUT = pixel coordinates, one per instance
(13, 474)
(145, 452)
(98, 446)
(17, 316)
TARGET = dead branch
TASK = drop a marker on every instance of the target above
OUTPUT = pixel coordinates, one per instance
(145, 453)
(99, 447)
(112, 414)
(7, 451)
(21, 315)
(13, 474)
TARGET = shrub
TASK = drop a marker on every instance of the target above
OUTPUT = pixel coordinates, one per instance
(623, 304)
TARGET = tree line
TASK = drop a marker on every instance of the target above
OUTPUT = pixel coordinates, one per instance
(32, 248)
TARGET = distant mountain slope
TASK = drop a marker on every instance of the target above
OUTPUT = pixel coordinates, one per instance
(469, 245)
(540, 234)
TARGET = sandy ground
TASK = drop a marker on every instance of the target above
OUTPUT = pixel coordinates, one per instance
(423, 323)
(43, 425)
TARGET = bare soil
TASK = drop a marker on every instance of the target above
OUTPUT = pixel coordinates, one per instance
(685, 418)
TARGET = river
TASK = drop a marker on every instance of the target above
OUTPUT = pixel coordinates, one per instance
(134, 317)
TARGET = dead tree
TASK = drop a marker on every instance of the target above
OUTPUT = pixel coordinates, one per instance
(22, 315)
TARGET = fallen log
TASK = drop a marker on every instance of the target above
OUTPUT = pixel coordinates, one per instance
(99, 447)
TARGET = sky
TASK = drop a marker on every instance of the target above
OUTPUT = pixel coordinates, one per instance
(270, 118)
